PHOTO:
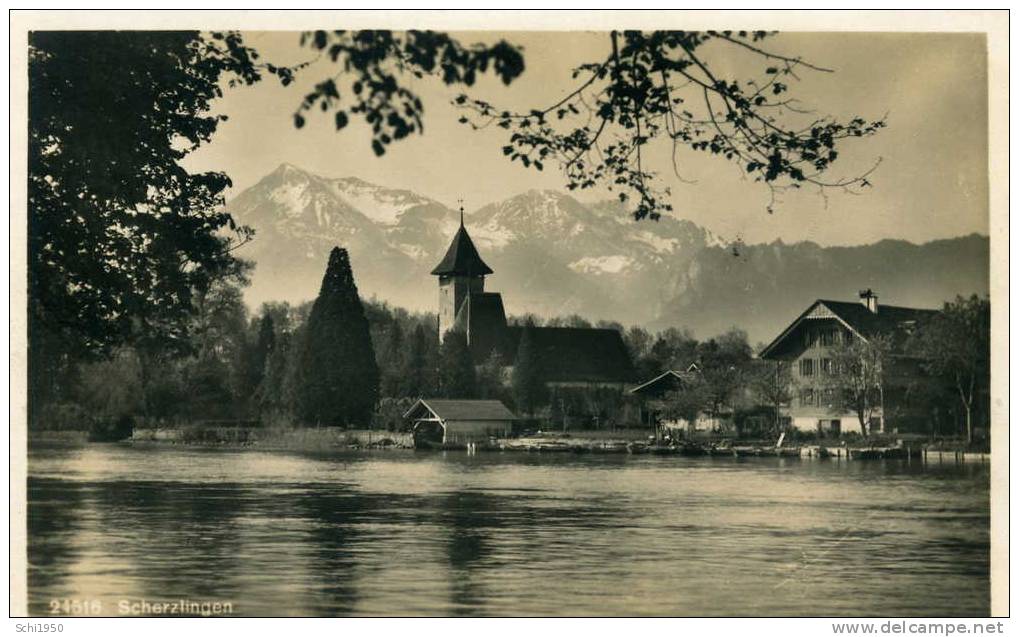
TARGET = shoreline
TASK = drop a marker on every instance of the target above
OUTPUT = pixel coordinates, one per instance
(335, 439)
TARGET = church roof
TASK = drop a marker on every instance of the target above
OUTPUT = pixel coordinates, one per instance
(462, 257)
(579, 354)
(483, 317)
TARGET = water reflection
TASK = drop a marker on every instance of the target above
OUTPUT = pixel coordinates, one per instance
(502, 534)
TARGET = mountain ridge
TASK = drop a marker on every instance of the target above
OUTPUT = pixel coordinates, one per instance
(554, 255)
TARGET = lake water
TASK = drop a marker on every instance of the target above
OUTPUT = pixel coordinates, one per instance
(417, 533)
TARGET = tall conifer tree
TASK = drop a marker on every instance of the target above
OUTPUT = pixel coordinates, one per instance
(528, 379)
(458, 377)
(392, 360)
(414, 377)
(339, 378)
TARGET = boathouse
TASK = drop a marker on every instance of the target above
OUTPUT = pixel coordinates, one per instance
(459, 421)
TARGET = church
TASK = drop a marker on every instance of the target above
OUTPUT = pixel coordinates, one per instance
(571, 356)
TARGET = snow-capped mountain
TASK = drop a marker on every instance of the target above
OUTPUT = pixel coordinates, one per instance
(552, 254)
(555, 255)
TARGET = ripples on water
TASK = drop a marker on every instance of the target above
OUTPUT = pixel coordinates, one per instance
(405, 533)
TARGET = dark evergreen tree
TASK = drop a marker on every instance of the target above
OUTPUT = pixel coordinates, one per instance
(415, 375)
(253, 359)
(338, 376)
(529, 390)
(490, 377)
(270, 394)
(456, 371)
(392, 360)
(265, 344)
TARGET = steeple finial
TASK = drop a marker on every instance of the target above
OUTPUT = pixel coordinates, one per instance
(461, 202)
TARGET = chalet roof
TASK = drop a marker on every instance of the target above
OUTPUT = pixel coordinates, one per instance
(888, 318)
(892, 320)
(445, 409)
(578, 354)
(462, 257)
(667, 381)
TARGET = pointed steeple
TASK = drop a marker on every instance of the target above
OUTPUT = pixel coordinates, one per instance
(462, 257)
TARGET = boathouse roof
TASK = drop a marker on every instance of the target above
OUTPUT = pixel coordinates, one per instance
(445, 409)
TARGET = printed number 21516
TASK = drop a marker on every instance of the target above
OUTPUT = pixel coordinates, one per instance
(76, 607)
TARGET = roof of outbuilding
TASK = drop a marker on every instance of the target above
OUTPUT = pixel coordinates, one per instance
(446, 409)
(666, 381)
(462, 257)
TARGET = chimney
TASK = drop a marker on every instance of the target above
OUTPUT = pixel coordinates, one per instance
(869, 299)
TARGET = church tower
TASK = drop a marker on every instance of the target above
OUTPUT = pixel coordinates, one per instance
(461, 273)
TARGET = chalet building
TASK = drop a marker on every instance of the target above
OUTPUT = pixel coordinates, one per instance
(806, 344)
(459, 421)
(571, 356)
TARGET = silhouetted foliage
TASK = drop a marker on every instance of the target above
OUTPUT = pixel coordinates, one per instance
(955, 345)
(391, 361)
(772, 385)
(663, 85)
(264, 346)
(856, 381)
(689, 401)
(120, 236)
(373, 63)
(491, 379)
(416, 376)
(529, 391)
(338, 376)
(649, 85)
(457, 376)
(724, 363)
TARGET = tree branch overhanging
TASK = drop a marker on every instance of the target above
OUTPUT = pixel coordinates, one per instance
(633, 96)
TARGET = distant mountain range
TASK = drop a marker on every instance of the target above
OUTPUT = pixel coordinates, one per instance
(554, 255)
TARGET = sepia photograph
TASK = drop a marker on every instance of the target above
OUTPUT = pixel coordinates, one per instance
(509, 314)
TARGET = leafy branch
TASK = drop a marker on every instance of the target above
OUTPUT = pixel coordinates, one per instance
(660, 85)
(372, 62)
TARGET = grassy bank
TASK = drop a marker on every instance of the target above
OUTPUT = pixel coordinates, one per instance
(275, 438)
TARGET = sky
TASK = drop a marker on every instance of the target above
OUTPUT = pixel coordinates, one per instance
(931, 182)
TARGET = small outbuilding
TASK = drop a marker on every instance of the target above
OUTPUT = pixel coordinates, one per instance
(445, 421)
(654, 394)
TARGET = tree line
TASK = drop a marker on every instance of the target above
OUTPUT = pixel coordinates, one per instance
(343, 360)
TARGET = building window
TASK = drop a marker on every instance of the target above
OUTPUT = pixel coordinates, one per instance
(826, 366)
(828, 396)
(829, 337)
(807, 367)
(809, 338)
(807, 397)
